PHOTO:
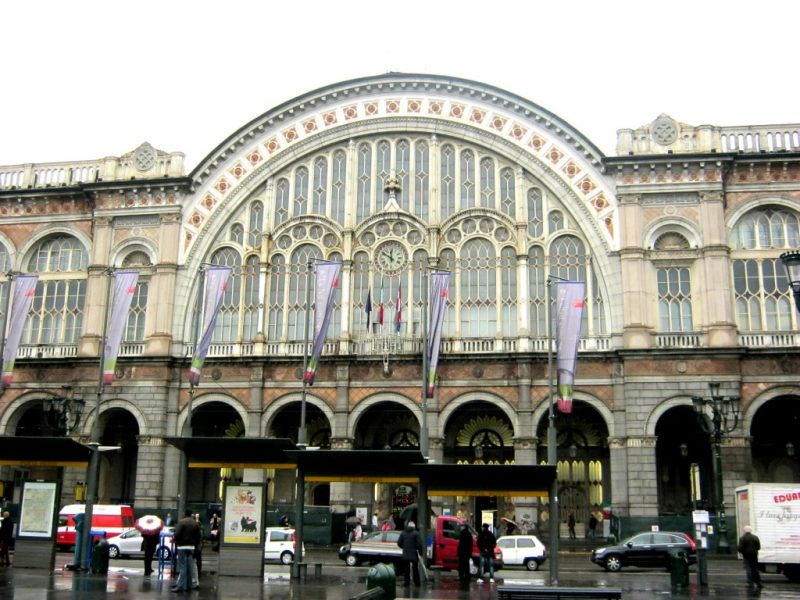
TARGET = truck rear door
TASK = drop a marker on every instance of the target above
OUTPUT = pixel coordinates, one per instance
(446, 543)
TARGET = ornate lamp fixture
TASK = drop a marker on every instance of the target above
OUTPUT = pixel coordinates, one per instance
(62, 413)
(791, 260)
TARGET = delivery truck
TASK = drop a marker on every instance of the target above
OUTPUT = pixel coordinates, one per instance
(773, 511)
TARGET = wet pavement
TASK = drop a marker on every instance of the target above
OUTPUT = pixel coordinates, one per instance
(126, 580)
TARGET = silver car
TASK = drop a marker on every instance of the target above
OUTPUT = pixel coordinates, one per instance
(129, 544)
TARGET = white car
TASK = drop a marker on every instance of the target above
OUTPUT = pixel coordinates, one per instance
(279, 544)
(522, 550)
(129, 543)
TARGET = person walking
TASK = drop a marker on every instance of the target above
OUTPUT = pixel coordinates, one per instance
(592, 526)
(465, 545)
(411, 543)
(6, 539)
(213, 526)
(149, 545)
(486, 544)
(748, 547)
(169, 520)
(571, 526)
(187, 537)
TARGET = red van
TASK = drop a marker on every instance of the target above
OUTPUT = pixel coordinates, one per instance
(111, 518)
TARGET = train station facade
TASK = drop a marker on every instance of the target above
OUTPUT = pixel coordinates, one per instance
(677, 236)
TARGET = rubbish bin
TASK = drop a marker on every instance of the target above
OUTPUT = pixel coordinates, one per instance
(678, 569)
(100, 557)
(382, 576)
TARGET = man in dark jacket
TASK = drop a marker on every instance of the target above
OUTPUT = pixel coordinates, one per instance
(465, 545)
(187, 538)
(748, 547)
(6, 539)
(411, 543)
(486, 544)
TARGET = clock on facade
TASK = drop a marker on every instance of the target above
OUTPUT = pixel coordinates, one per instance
(390, 257)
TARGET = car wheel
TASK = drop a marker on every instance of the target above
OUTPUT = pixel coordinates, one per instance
(351, 560)
(287, 558)
(613, 563)
(113, 552)
(164, 553)
(531, 564)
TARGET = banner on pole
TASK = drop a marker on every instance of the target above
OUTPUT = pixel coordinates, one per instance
(124, 289)
(216, 284)
(437, 303)
(368, 308)
(24, 291)
(398, 309)
(569, 313)
(327, 281)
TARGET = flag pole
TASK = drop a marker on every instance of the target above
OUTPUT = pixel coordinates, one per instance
(94, 439)
(302, 442)
(423, 431)
(6, 299)
(183, 472)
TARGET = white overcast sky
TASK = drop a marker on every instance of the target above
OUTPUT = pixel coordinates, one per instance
(85, 79)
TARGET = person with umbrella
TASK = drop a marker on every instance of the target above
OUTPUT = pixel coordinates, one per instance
(150, 527)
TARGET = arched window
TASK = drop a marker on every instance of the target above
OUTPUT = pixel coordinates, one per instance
(281, 201)
(134, 328)
(447, 181)
(56, 315)
(363, 194)
(447, 262)
(761, 292)
(255, 224)
(237, 233)
(674, 299)
(537, 290)
(535, 213)
(227, 326)
(478, 289)
(298, 282)
(555, 221)
(383, 168)
(360, 278)
(569, 261)
(508, 290)
(338, 188)
(487, 183)
(467, 179)
(422, 174)
(277, 297)
(402, 167)
(300, 192)
(319, 205)
(508, 192)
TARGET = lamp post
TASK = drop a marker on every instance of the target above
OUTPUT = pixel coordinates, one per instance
(791, 260)
(724, 418)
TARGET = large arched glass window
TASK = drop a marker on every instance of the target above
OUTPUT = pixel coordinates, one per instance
(467, 179)
(134, 327)
(535, 213)
(447, 262)
(56, 315)
(339, 186)
(227, 326)
(402, 167)
(255, 223)
(478, 289)
(319, 205)
(447, 181)
(277, 298)
(300, 192)
(487, 183)
(422, 173)
(761, 291)
(508, 290)
(298, 282)
(569, 261)
(508, 192)
(364, 191)
(360, 278)
(537, 290)
(674, 299)
(281, 201)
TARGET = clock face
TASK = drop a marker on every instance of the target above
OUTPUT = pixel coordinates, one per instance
(391, 257)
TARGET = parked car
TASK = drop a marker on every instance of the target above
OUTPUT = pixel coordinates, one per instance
(129, 544)
(522, 550)
(647, 549)
(279, 544)
(379, 546)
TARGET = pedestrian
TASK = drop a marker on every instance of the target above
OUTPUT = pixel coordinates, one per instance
(411, 543)
(571, 526)
(357, 531)
(486, 544)
(465, 546)
(169, 521)
(213, 527)
(149, 545)
(374, 521)
(748, 547)
(198, 549)
(187, 537)
(6, 538)
(592, 526)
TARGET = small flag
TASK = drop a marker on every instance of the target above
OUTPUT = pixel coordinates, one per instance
(368, 308)
(398, 309)
(380, 307)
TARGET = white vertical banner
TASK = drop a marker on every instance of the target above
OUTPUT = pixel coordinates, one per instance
(569, 313)
(325, 286)
(124, 289)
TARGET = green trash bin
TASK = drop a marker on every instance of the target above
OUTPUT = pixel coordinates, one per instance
(382, 576)
(678, 569)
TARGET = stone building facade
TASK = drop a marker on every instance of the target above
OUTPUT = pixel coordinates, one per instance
(677, 237)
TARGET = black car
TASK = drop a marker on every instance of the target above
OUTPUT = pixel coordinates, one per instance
(648, 549)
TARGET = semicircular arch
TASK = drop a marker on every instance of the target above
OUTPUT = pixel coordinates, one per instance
(276, 406)
(543, 409)
(376, 398)
(463, 399)
(200, 401)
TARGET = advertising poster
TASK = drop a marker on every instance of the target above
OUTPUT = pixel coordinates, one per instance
(38, 509)
(244, 509)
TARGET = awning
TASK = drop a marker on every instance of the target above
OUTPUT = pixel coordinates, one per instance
(38, 451)
(487, 480)
(234, 453)
(360, 466)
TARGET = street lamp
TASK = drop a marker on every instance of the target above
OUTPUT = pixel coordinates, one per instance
(791, 260)
(724, 418)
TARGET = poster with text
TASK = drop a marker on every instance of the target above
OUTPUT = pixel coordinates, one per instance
(38, 509)
(243, 514)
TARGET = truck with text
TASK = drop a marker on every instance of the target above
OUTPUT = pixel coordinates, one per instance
(773, 511)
